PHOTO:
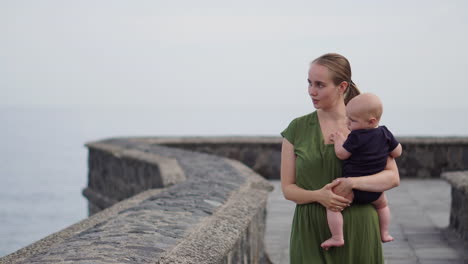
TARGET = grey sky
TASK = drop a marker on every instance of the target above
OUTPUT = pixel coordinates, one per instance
(213, 53)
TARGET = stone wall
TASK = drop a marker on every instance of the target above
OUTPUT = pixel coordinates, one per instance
(429, 157)
(459, 206)
(261, 154)
(167, 205)
(118, 172)
(168, 200)
(423, 157)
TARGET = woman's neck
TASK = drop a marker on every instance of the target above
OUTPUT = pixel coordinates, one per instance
(337, 113)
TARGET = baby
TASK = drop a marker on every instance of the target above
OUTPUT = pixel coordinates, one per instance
(364, 152)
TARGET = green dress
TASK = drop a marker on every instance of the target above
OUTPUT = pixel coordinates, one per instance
(317, 165)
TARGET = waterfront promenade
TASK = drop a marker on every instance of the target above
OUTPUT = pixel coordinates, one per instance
(420, 216)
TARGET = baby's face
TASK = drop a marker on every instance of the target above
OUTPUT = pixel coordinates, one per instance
(355, 119)
(356, 123)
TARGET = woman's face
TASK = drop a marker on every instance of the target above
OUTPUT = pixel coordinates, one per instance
(323, 92)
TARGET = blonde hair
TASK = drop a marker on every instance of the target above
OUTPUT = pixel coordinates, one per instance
(368, 106)
(340, 70)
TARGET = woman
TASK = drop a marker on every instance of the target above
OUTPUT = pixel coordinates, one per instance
(309, 168)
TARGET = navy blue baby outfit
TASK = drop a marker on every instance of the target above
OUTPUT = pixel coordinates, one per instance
(370, 149)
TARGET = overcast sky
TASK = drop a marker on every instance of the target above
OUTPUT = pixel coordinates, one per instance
(223, 54)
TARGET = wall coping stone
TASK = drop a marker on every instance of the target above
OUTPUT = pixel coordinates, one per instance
(171, 172)
(459, 205)
(216, 236)
(434, 140)
(458, 180)
(46, 243)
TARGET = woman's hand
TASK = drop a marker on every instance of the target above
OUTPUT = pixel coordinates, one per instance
(330, 200)
(344, 188)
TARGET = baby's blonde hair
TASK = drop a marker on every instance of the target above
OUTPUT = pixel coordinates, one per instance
(368, 106)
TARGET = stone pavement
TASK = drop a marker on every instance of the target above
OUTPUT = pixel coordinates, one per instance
(420, 216)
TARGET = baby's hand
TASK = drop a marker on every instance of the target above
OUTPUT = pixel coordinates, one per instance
(339, 136)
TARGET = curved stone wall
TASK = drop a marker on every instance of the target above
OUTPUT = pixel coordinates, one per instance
(191, 208)
(117, 170)
(423, 157)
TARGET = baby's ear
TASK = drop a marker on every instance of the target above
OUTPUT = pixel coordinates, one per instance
(372, 121)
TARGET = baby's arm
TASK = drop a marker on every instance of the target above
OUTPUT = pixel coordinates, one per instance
(338, 139)
(396, 152)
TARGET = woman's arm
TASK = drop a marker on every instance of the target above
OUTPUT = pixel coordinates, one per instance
(291, 191)
(397, 151)
(379, 182)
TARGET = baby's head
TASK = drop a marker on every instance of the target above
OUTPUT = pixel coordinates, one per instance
(364, 111)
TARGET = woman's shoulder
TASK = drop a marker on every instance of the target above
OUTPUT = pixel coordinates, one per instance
(307, 118)
(298, 127)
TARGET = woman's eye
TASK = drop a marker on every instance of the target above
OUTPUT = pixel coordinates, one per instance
(320, 84)
(317, 84)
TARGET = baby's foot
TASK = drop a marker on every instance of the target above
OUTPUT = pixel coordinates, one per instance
(386, 237)
(332, 242)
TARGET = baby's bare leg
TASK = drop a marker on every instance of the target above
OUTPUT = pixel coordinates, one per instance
(335, 223)
(384, 217)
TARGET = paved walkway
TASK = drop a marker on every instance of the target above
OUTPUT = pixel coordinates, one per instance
(420, 215)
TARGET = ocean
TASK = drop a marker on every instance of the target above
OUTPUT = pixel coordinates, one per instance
(44, 160)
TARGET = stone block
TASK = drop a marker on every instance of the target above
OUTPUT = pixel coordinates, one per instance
(459, 206)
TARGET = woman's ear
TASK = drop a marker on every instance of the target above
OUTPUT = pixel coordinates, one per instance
(343, 86)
